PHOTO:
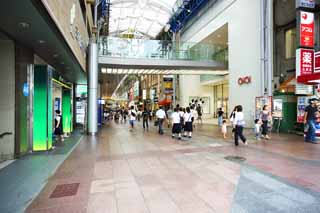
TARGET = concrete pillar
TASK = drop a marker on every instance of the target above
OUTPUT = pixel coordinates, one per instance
(93, 89)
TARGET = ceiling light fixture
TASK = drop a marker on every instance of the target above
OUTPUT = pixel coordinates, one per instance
(103, 70)
(24, 25)
(41, 41)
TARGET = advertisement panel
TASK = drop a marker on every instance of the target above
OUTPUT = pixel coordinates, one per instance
(304, 62)
(301, 105)
(306, 29)
(168, 84)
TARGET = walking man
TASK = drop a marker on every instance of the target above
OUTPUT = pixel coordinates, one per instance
(310, 120)
(161, 115)
(145, 117)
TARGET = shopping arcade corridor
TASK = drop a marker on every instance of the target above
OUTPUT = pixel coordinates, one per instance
(122, 171)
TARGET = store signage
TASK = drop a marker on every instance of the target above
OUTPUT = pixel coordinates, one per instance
(305, 3)
(304, 62)
(306, 29)
(317, 62)
(168, 84)
(303, 89)
(244, 80)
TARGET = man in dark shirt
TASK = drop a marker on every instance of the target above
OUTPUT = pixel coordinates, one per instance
(145, 117)
(220, 117)
(310, 120)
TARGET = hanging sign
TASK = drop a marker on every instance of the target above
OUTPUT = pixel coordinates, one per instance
(304, 62)
(306, 29)
(168, 84)
(305, 3)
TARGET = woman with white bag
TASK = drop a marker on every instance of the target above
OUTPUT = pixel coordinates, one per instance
(239, 123)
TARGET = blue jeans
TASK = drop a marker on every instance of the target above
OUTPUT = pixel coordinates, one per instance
(220, 120)
(160, 123)
(311, 134)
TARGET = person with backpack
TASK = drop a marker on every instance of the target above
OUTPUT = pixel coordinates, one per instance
(132, 117)
(188, 120)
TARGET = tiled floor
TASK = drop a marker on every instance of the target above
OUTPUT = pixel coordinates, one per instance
(135, 172)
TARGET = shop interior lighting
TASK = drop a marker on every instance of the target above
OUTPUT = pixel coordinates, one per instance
(103, 70)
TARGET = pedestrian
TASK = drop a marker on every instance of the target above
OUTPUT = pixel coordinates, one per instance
(232, 116)
(265, 118)
(176, 123)
(239, 123)
(220, 117)
(132, 117)
(257, 129)
(195, 116)
(188, 125)
(310, 121)
(161, 116)
(58, 129)
(145, 117)
(224, 129)
(181, 113)
(199, 112)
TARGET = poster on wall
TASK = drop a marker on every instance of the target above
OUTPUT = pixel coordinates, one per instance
(306, 29)
(205, 105)
(260, 102)
(305, 3)
(277, 108)
(302, 103)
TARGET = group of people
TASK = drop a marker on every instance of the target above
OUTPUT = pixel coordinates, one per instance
(261, 127)
(182, 120)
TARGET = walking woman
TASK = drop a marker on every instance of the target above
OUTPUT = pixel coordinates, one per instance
(239, 123)
(265, 117)
(188, 126)
(176, 123)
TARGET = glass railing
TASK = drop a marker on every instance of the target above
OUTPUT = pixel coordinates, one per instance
(157, 49)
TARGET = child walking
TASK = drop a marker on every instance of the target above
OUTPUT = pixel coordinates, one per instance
(224, 129)
(257, 129)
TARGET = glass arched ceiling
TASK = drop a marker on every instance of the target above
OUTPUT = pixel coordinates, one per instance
(147, 17)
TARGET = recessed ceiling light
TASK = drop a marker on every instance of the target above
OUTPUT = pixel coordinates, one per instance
(103, 70)
(24, 25)
(56, 55)
(62, 63)
(41, 41)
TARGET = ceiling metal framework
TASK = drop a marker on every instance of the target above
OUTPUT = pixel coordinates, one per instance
(162, 71)
(147, 17)
(185, 10)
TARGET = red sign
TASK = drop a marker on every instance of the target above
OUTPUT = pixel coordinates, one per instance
(244, 80)
(306, 29)
(317, 62)
(304, 62)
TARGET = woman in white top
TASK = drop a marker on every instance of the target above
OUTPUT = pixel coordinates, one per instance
(176, 123)
(132, 116)
(188, 119)
(239, 123)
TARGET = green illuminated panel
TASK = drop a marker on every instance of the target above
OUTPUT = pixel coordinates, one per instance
(40, 109)
(42, 115)
(66, 110)
(50, 109)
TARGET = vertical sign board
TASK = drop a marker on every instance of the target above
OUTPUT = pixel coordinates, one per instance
(304, 62)
(317, 62)
(306, 29)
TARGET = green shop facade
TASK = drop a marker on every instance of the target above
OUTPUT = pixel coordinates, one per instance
(47, 92)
